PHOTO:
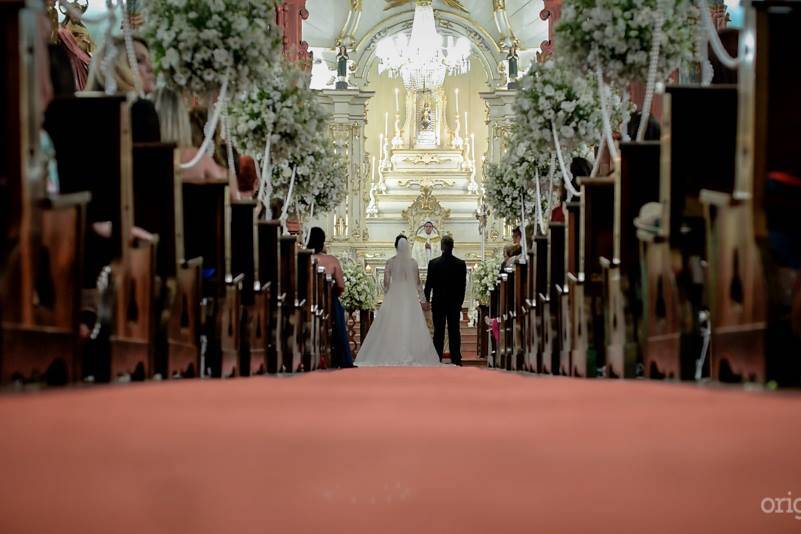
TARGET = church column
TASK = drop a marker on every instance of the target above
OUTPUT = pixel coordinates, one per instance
(290, 15)
(499, 106)
(499, 118)
(551, 13)
(347, 111)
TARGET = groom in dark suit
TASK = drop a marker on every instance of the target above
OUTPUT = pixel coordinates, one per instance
(446, 279)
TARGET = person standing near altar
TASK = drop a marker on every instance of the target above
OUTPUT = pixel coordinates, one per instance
(426, 241)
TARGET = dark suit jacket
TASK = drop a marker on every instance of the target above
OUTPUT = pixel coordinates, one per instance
(447, 278)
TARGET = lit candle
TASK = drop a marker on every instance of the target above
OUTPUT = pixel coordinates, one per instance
(397, 102)
(456, 91)
(465, 124)
(386, 123)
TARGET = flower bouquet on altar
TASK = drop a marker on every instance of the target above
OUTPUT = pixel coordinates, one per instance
(361, 293)
(484, 277)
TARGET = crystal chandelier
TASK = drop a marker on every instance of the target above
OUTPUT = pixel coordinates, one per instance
(422, 59)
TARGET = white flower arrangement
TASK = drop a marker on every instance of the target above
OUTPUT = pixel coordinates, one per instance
(560, 112)
(511, 185)
(553, 94)
(360, 288)
(618, 36)
(321, 179)
(484, 278)
(197, 43)
(285, 109)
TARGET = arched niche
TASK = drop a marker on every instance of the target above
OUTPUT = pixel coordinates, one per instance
(484, 47)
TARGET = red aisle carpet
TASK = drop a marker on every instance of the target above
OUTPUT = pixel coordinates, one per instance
(398, 450)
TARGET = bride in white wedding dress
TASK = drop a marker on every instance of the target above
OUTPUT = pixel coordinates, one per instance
(399, 335)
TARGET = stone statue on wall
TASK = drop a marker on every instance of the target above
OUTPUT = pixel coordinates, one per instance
(425, 117)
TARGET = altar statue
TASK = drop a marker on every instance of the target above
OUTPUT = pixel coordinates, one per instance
(426, 244)
(425, 118)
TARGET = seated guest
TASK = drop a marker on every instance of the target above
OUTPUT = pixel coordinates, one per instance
(144, 119)
(198, 118)
(653, 131)
(247, 178)
(341, 346)
(511, 253)
(175, 128)
(580, 167)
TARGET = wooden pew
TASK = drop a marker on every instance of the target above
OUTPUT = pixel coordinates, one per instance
(544, 324)
(290, 328)
(305, 297)
(127, 309)
(41, 318)
(636, 183)
(503, 317)
(752, 338)
(532, 339)
(556, 285)
(595, 242)
(575, 331)
(158, 203)
(328, 320)
(269, 234)
(521, 321)
(41, 238)
(321, 356)
(492, 348)
(245, 256)
(697, 152)
(205, 221)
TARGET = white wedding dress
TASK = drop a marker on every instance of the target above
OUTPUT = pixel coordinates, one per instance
(399, 335)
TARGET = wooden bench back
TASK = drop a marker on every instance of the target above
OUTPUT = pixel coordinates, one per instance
(699, 139)
(92, 139)
(205, 230)
(158, 202)
(639, 184)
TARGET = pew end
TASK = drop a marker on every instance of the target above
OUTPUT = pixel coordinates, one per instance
(40, 338)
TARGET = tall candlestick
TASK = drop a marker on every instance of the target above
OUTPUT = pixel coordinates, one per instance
(456, 91)
(372, 171)
(466, 127)
(473, 143)
(381, 147)
(386, 124)
(397, 102)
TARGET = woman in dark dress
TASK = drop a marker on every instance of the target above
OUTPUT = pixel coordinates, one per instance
(343, 357)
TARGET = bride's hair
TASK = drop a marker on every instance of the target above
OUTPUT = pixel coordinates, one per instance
(397, 239)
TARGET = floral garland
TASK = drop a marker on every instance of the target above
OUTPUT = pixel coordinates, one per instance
(484, 278)
(618, 36)
(360, 288)
(511, 185)
(196, 44)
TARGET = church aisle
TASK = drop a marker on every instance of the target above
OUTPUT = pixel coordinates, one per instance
(398, 450)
